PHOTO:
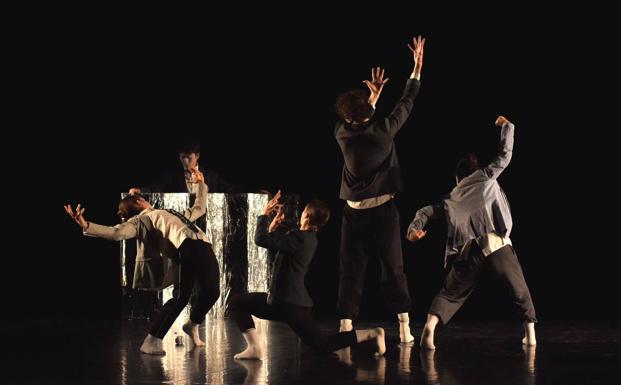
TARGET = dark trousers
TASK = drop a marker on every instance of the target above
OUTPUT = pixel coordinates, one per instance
(199, 267)
(299, 318)
(466, 272)
(371, 233)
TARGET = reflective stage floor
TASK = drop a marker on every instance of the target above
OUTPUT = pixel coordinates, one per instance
(60, 352)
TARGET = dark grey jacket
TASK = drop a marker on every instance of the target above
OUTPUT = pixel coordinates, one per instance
(371, 166)
(295, 250)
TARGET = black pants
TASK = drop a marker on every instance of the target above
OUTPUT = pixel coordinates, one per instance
(299, 318)
(199, 267)
(465, 273)
(371, 233)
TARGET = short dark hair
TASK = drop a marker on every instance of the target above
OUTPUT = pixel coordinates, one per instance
(318, 212)
(466, 166)
(354, 105)
(133, 198)
(189, 147)
(130, 203)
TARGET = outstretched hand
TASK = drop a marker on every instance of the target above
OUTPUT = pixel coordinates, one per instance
(500, 121)
(376, 84)
(418, 50)
(279, 218)
(78, 215)
(273, 204)
(197, 176)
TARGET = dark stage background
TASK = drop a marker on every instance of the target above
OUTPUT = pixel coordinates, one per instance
(108, 96)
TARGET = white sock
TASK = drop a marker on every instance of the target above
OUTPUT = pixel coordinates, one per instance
(346, 325)
(529, 334)
(254, 350)
(404, 328)
(191, 329)
(153, 345)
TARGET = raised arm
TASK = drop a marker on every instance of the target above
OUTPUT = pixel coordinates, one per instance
(403, 108)
(262, 236)
(505, 148)
(200, 203)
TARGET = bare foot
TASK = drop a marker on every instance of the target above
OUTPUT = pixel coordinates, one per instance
(191, 329)
(426, 340)
(153, 345)
(251, 353)
(379, 335)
